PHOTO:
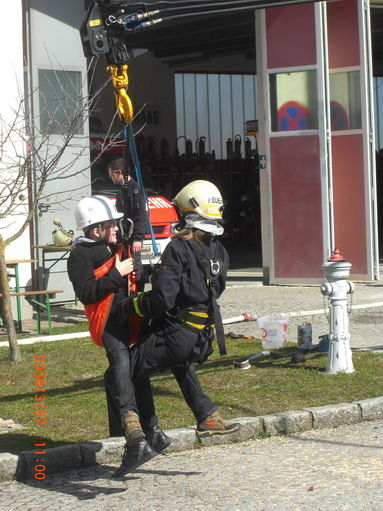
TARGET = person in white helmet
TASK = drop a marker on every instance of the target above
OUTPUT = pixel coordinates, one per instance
(99, 279)
(182, 304)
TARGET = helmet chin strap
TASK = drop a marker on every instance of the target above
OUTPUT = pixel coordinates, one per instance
(192, 220)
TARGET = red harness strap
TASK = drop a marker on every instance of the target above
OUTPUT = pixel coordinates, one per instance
(97, 313)
(135, 322)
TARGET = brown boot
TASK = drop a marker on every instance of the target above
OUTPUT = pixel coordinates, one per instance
(130, 423)
(215, 425)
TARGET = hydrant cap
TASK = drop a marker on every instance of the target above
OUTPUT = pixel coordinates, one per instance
(336, 257)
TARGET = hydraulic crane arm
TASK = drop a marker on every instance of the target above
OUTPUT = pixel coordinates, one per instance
(109, 26)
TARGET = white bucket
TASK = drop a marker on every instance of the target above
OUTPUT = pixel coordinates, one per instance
(273, 331)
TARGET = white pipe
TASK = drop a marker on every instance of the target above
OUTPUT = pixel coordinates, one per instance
(239, 319)
(297, 314)
(48, 338)
(228, 321)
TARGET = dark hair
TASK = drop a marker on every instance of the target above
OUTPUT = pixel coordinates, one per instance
(87, 230)
(119, 164)
(191, 234)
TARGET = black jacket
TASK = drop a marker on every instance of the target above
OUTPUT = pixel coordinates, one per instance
(87, 255)
(130, 202)
(180, 282)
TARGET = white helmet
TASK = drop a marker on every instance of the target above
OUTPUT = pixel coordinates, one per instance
(200, 197)
(94, 210)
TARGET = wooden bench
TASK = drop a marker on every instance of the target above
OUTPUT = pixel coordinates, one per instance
(39, 306)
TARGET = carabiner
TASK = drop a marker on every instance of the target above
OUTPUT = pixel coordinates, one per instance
(214, 267)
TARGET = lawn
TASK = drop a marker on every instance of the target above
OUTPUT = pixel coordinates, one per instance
(75, 405)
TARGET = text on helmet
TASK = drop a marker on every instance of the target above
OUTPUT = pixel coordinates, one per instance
(214, 200)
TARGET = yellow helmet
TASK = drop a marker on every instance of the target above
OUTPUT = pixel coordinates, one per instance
(200, 197)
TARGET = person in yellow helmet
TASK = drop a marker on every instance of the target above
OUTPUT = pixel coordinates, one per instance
(182, 304)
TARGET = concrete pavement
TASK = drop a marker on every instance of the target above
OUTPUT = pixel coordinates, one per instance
(323, 470)
(245, 293)
(233, 480)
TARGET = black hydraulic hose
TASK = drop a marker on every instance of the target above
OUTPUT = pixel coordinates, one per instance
(217, 11)
(250, 5)
(203, 4)
(176, 6)
(225, 7)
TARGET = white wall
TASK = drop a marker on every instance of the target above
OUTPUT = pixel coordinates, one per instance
(56, 45)
(12, 90)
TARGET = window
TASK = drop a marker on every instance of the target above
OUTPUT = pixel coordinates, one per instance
(293, 101)
(214, 107)
(345, 101)
(60, 101)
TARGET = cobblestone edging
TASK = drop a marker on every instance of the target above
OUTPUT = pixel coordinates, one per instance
(109, 451)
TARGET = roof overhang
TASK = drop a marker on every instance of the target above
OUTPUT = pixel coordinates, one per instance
(196, 31)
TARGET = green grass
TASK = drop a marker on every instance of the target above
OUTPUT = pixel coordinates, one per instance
(76, 405)
(67, 329)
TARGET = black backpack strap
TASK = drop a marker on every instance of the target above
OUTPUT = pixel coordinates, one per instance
(211, 269)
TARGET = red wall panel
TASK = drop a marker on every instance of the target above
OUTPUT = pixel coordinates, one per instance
(291, 36)
(297, 209)
(343, 34)
(349, 201)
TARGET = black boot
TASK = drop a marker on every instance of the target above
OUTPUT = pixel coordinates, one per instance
(157, 439)
(134, 456)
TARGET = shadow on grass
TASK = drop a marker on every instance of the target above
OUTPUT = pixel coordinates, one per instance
(79, 385)
(15, 443)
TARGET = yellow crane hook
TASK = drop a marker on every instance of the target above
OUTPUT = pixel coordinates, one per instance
(120, 84)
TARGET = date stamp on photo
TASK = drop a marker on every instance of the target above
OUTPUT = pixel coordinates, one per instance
(40, 413)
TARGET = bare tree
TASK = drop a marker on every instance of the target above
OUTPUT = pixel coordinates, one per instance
(31, 158)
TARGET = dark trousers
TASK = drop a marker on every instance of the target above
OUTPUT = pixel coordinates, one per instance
(170, 346)
(121, 394)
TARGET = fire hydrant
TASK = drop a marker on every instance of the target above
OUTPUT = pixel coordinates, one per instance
(337, 287)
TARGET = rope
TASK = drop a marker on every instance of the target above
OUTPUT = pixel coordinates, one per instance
(129, 136)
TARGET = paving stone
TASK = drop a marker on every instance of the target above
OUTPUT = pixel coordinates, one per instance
(56, 459)
(331, 416)
(8, 425)
(8, 466)
(294, 421)
(251, 427)
(102, 452)
(371, 408)
(317, 470)
(182, 439)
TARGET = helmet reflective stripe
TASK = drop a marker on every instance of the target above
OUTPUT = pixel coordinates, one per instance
(200, 197)
(94, 210)
(204, 207)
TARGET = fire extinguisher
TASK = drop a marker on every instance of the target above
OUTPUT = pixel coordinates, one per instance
(229, 148)
(237, 145)
(247, 148)
(189, 148)
(177, 153)
(201, 146)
